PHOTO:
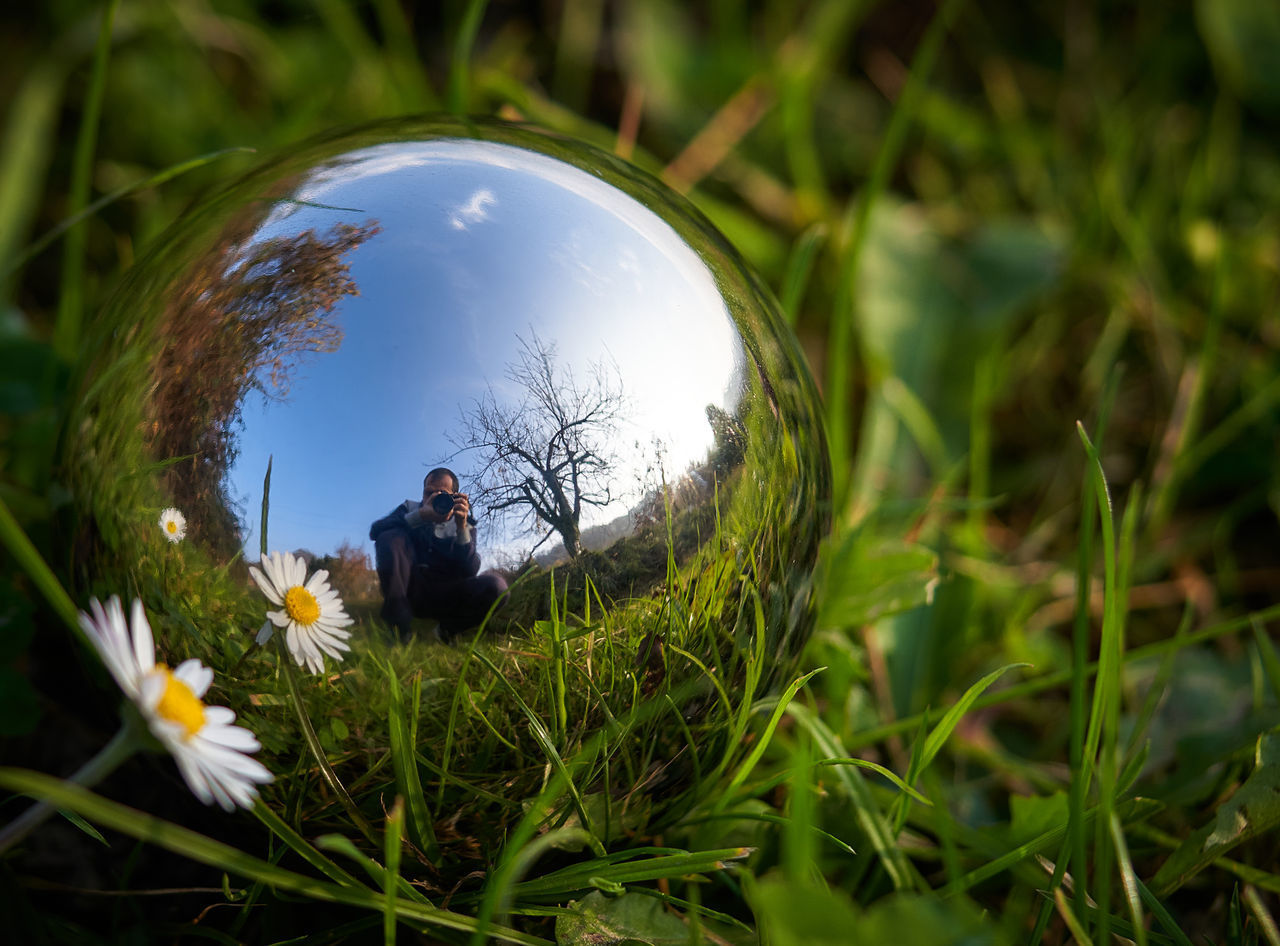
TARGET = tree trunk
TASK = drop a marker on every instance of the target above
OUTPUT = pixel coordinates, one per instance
(569, 533)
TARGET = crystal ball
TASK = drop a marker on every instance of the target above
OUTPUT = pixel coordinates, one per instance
(545, 433)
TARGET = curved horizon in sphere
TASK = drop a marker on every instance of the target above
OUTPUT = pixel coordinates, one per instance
(466, 269)
(632, 424)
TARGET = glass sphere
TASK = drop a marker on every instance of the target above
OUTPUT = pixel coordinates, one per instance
(636, 445)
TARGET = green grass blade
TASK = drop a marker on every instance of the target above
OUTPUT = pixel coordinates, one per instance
(1075, 848)
(942, 732)
(799, 269)
(1133, 810)
(404, 763)
(31, 562)
(544, 740)
(563, 883)
(840, 337)
(1262, 916)
(766, 818)
(937, 738)
(155, 180)
(459, 94)
(867, 811)
(340, 844)
(1104, 716)
(282, 830)
(313, 743)
(1129, 881)
(799, 850)
(391, 855)
(1270, 661)
(523, 852)
(66, 329)
(1052, 681)
(915, 416)
(1081, 937)
(880, 770)
(266, 508)
(757, 750)
(30, 129)
(1159, 911)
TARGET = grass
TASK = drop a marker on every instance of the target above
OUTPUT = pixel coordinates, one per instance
(1030, 251)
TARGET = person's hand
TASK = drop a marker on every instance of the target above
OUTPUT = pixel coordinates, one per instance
(461, 508)
(427, 511)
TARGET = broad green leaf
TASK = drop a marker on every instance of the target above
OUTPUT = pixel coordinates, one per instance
(929, 307)
(629, 920)
(923, 918)
(618, 817)
(796, 914)
(864, 578)
(1030, 817)
(1252, 810)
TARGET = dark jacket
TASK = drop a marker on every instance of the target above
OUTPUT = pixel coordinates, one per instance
(444, 557)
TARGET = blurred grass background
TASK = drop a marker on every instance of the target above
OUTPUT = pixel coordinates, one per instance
(985, 222)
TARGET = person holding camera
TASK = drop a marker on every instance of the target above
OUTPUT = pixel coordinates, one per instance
(427, 561)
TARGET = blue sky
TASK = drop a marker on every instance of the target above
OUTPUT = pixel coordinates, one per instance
(480, 243)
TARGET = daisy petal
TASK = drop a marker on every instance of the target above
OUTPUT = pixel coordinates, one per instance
(144, 644)
(265, 585)
(195, 675)
(310, 632)
(210, 752)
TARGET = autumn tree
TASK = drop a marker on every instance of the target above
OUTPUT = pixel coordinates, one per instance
(241, 320)
(546, 456)
(352, 574)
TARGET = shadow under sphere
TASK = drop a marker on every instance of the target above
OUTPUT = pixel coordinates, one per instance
(627, 415)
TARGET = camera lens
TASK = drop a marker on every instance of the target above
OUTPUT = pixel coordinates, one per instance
(442, 503)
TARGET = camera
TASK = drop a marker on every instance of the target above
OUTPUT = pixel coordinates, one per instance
(442, 503)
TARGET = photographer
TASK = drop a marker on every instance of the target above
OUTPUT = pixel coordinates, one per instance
(427, 560)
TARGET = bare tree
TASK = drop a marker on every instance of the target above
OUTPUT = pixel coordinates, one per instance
(548, 455)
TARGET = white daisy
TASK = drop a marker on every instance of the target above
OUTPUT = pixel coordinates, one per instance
(173, 524)
(211, 753)
(313, 617)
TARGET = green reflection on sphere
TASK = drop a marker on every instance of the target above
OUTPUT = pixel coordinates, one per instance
(632, 423)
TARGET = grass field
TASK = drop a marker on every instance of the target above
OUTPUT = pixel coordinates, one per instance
(1032, 252)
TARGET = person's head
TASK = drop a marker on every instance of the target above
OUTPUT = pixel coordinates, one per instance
(440, 480)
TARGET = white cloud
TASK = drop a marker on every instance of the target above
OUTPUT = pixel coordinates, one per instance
(475, 210)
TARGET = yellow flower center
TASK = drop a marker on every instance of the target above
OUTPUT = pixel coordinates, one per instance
(172, 526)
(301, 605)
(178, 704)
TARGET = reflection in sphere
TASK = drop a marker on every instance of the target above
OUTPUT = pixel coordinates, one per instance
(641, 478)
